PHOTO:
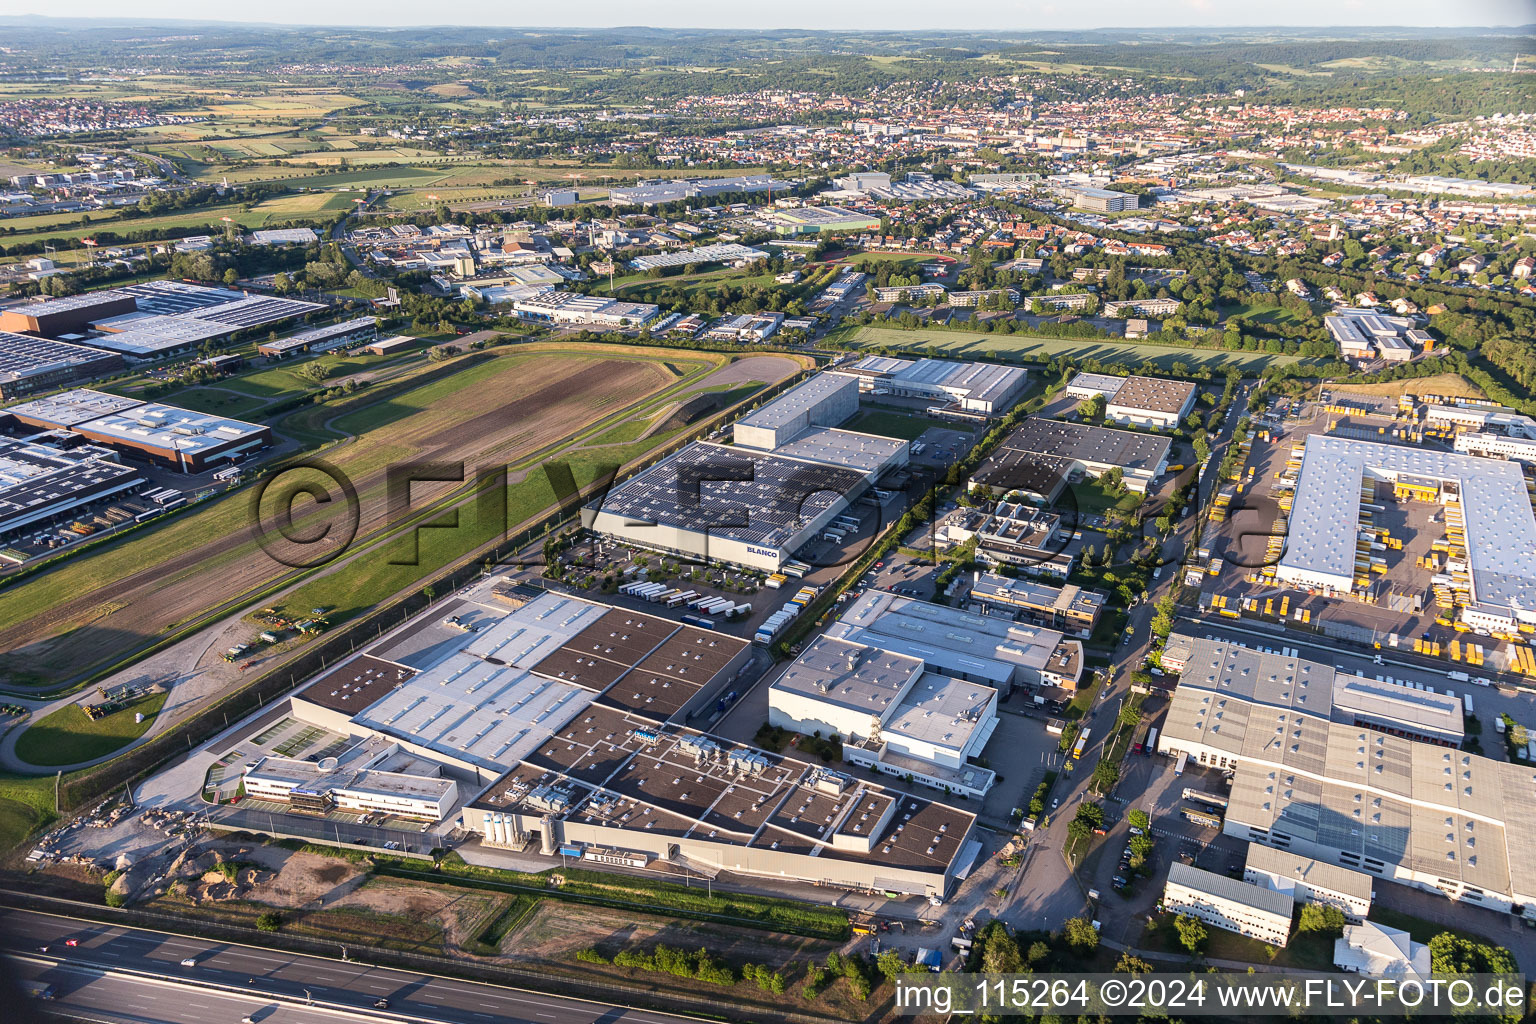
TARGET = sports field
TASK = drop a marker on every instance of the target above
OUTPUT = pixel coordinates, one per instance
(975, 345)
(510, 408)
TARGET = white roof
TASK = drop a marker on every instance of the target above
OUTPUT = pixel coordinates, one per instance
(1500, 526)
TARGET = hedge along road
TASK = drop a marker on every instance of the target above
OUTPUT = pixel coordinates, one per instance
(193, 670)
(976, 345)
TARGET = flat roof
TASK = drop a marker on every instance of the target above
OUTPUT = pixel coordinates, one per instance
(168, 427)
(34, 476)
(151, 334)
(1106, 384)
(171, 298)
(1153, 394)
(355, 684)
(68, 303)
(257, 311)
(324, 333)
(68, 408)
(1232, 890)
(475, 711)
(849, 675)
(798, 401)
(1500, 525)
(1083, 442)
(847, 448)
(1317, 873)
(730, 491)
(946, 639)
(22, 355)
(1348, 787)
(941, 710)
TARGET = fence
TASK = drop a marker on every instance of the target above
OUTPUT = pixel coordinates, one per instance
(540, 976)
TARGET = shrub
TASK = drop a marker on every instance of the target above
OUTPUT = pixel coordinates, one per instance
(115, 899)
(590, 956)
(269, 921)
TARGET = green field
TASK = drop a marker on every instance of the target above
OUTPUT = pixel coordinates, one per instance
(893, 424)
(1003, 347)
(68, 737)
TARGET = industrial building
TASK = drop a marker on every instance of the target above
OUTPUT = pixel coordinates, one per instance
(1029, 539)
(1365, 334)
(893, 715)
(721, 252)
(1151, 402)
(1309, 881)
(1038, 457)
(732, 504)
(965, 645)
(560, 307)
(812, 220)
(29, 364)
(68, 315)
(1069, 607)
(1144, 401)
(189, 441)
(1228, 903)
(1319, 773)
(372, 778)
(649, 193)
(575, 709)
(1485, 500)
(985, 388)
(824, 400)
(322, 339)
(39, 481)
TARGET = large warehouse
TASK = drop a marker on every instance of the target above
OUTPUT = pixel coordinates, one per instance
(732, 504)
(179, 438)
(29, 364)
(1036, 459)
(41, 481)
(978, 648)
(985, 388)
(825, 400)
(1489, 496)
(1143, 401)
(68, 315)
(575, 710)
(1327, 766)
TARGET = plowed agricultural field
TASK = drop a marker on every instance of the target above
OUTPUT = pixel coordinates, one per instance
(494, 409)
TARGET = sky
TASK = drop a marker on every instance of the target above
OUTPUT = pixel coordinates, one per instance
(843, 15)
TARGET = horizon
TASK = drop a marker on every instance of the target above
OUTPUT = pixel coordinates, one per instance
(890, 17)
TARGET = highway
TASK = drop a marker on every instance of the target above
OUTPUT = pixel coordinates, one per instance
(269, 985)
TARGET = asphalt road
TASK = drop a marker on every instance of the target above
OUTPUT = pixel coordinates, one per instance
(261, 980)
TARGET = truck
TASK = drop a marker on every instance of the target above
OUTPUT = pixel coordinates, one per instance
(1150, 746)
(1081, 744)
(1209, 799)
(37, 989)
(1201, 818)
(1178, 767)
(1466, 703)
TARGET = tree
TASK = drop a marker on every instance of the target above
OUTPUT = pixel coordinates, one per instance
(1080, 935)
(1130, 715)
(1192, 933)
(1321, 917)
(1138, 818)
(1105, 775)
(315, 371)
(1093, 408)
(1451, 954)
(1131, 964)
(1002, 954)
